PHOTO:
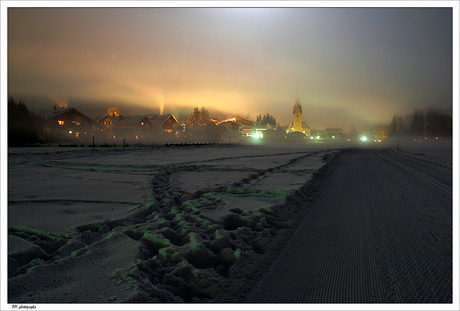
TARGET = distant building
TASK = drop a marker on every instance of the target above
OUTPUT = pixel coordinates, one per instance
(248, 125)
(164, 123)
(64, 124)
(231, 130)
(332, 133)
(297, 124)
(139, 123)
(132, 128)
(318, 134)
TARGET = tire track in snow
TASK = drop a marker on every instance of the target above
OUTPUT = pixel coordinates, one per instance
(403, 165)
(364, 241)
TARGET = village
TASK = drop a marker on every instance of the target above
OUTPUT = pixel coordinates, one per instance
(70, 126)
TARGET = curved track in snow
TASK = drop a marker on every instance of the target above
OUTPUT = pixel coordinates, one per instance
(381, 231)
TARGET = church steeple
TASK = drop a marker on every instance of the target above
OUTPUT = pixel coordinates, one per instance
(297, 114)
(297, 124)
(297, 106)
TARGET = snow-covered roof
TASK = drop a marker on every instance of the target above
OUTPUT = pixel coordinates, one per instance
(113, 118)
(239, 119)
(132, 120)
(230, 121)
(161, 118)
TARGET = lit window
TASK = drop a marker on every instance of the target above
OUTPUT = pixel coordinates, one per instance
(61, 122)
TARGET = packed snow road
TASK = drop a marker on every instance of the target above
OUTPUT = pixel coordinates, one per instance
(381, 231)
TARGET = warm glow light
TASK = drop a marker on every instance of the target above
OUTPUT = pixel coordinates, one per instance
(61, 122)
(189, 64)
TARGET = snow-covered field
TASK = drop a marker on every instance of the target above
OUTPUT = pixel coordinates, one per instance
(440, 151)
(151, 224)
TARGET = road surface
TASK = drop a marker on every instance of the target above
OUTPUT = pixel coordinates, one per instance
(380, 232)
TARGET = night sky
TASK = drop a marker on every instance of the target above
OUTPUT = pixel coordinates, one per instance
(347, 66)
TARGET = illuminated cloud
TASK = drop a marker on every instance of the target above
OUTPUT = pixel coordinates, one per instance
(349, 65)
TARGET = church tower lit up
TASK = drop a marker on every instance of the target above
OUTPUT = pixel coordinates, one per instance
(297, 113)
(298, 125)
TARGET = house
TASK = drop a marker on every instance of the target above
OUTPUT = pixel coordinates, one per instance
(332, 133)
(261, 130)
(231, 130)
(65, 124)
(164, 123)
(132, 128)
(248, 125)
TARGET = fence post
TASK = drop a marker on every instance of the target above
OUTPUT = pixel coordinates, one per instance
(93, 143)
(123, 144)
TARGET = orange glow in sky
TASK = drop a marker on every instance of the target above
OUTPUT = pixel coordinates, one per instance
(347, 66)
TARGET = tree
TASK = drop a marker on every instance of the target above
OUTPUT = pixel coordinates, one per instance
(393, 127)
(194, 118)
(113, 112)
(21, 129)
(432, 121)
(438, 123)
(204, 117)
(199, 117)
(417, 125)
(267, 119)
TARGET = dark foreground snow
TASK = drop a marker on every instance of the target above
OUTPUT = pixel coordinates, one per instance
(213, 224)
(176, 224)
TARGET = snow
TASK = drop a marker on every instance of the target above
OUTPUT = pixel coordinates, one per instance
(439, 150)
(148, 224)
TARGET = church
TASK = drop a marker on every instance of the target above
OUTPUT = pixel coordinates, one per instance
(298, 125)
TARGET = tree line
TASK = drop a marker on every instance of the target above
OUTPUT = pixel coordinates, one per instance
(21, 125)
(267, 119)
(428, 122)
